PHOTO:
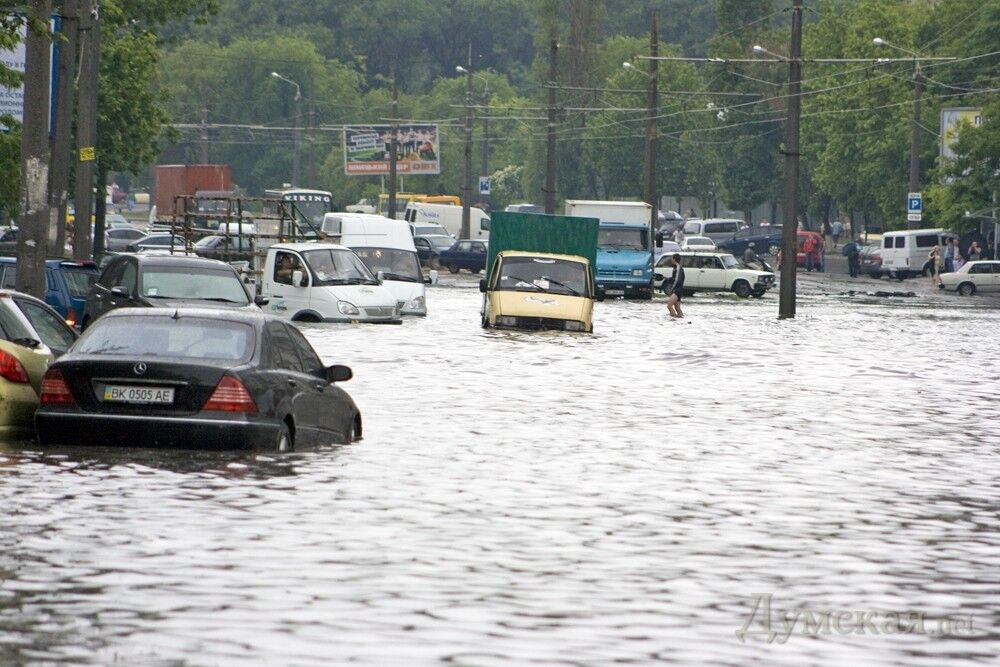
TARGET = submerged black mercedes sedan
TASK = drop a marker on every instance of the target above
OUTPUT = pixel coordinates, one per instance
(195, 378)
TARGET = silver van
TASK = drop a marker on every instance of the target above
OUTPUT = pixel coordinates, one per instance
(717, 229)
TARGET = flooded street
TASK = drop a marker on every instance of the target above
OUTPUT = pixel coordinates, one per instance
(541, 498)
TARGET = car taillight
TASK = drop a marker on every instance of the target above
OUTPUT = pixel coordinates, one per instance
(55, 391)
(71, 317)
(12, 369)
(230, 396)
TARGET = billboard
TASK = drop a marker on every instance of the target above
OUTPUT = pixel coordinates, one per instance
(950, 119)
(12, 99)
(366, 150)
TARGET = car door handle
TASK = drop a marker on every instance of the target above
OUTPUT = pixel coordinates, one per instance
(320, 386)
(277, 296)
(293, 383)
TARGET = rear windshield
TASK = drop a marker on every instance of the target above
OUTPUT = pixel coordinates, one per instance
(185, 337)
(165, 282)
(79, 282)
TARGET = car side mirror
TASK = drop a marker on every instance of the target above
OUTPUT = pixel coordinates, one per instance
(338, 373)
(482, 285)
(432, 277)
(599, 294)
(297, 278)
(380, 276)
(261, 300)
(120, 292)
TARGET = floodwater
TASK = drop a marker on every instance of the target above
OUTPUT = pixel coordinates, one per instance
(638, 496)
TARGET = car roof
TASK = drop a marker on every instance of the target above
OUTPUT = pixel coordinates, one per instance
(176, 260)
(251, 317)
(307, 245)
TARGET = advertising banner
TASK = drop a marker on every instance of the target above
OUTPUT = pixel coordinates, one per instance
(950, 119)
(366, 150)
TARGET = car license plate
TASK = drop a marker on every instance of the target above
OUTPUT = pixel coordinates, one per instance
(615, 292)
(133, 394)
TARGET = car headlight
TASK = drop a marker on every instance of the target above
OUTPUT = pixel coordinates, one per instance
(507, 321)
(637, 273)
(573, 325)
(416, 303)
(347, 308)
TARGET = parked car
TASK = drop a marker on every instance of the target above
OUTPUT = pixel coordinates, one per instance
(429, 229)
(120, 238)
(225, 248)
(8, 240)
(117, 221)
(714, 272)
(699, 243)
(466, 254)
(166, 281)
(871, 261)
(430, 247)
(195, 378)
(157, 241)
(717, 229)
(667, 248)
(32, 335)
(973, 277)
(67, 285)
(765, 240)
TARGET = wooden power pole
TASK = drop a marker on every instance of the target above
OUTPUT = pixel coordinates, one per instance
(86, 129)
(393, 144)
(790, 223)
(550, 144)
(62, 138)
(32, 240)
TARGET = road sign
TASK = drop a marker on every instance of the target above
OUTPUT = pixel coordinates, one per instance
(913, 217)
(87, 154)
(484, 185)
(914, 203)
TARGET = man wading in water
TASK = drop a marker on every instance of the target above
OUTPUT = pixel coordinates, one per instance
(674, 301)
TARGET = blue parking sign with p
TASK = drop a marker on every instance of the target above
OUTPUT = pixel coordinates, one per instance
(484, 185)
(915, 202)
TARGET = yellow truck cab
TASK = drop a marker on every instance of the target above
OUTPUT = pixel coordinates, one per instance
(539, 291)
(540, 273)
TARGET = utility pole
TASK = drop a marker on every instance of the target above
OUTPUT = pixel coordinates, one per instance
(33, 238)
(789, 231)
(486, 140)
(298, 137)
(393, 144)
(467, 181)
(62, 135)
(918, 89)
(86, 128)
(652, 97)
(550, 143)
(204, 135)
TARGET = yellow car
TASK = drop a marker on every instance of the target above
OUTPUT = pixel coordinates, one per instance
(528, 290)
(31, 336)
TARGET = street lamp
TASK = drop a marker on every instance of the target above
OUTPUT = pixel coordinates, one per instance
(298, 125)
(467, 179)
(918, 89)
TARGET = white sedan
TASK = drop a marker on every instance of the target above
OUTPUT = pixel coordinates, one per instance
(699, 243)
(981, 276)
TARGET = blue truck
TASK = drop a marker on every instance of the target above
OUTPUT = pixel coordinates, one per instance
(624, 251)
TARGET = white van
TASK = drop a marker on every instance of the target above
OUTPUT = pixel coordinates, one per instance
(717, 229)
(904, 253)
(449, 216)
(386, 247)
(324, 282)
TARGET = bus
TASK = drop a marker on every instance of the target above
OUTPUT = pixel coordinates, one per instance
(404, 198)
(311, 204)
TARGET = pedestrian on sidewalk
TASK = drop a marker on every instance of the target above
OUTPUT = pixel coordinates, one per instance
(975, 253)
(809, 248)
(853, 252)
(674, 300)
(950, 251)
(838, 229)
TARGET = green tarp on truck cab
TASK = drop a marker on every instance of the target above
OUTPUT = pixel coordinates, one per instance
(534, 232)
